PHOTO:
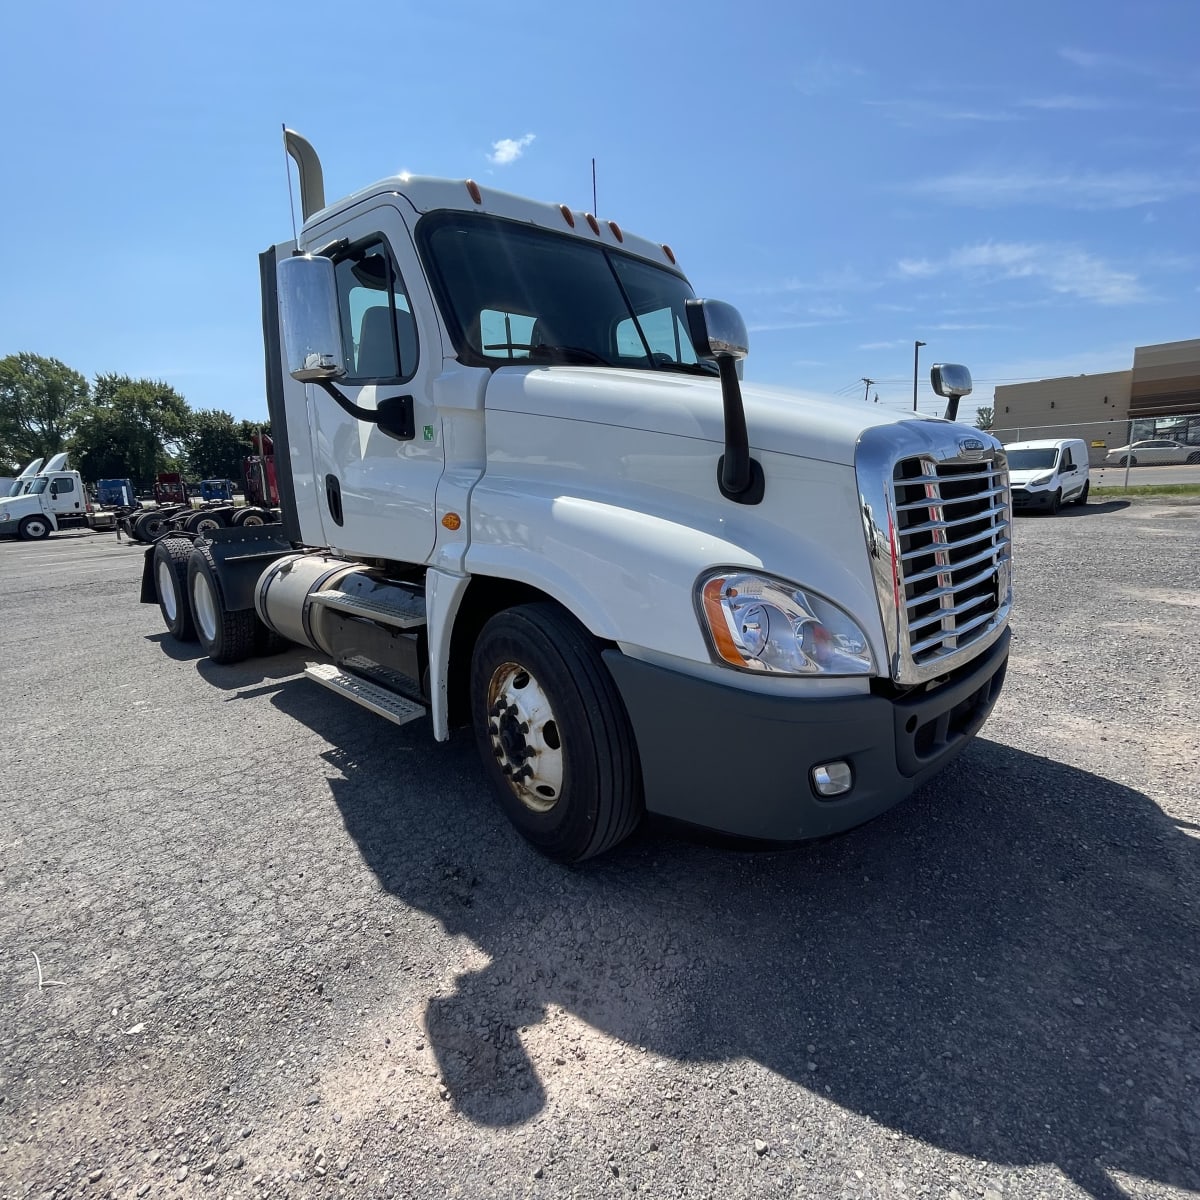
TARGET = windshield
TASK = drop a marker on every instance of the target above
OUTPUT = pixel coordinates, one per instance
(38, 486)
(516, 293)
(1032, 460)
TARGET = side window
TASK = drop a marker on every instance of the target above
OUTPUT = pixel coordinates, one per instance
(378, 329)
(63, 485)
(505, 334)
(664, 331)
(1067, 464)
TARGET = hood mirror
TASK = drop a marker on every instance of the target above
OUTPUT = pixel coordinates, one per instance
(953, 381)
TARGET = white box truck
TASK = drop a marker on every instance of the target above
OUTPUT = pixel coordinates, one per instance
(523, 488)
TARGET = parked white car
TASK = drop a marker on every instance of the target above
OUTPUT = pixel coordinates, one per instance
(1047, 474)
(1157, 452)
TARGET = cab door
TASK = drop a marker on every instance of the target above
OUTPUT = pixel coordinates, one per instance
(376, 491)
(66, 496)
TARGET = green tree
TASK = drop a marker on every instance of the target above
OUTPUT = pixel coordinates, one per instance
(984, 417)
(215, 445)
(133, 427)
(40, 403)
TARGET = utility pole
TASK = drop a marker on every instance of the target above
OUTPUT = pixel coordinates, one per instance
(916, 354)
(867, 391)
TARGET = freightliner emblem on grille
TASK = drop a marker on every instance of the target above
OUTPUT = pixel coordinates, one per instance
(969, 447)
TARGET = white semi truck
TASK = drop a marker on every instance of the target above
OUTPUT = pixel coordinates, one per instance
(524, 489)
(47, 497)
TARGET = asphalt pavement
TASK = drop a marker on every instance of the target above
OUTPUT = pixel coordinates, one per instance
(257, 941)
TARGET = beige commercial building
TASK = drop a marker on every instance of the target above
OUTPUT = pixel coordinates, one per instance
(1159, 397)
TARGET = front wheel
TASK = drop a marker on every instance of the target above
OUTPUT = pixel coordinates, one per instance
(1056, 502)
(1194, 458)
(34, 529)
(1128, 460)
(553, 734)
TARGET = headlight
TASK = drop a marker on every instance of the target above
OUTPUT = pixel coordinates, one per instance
(1041, 479)
(760, 623)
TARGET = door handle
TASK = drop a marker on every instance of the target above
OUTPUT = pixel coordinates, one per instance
(333, 498)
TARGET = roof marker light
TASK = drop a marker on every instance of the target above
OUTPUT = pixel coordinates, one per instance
(592, 222)
(616, 231)
(669, 253)
(568, 215)
(473, 189)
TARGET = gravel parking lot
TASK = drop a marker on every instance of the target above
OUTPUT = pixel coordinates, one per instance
(286, 949)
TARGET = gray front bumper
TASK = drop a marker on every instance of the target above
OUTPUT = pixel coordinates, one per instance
(739, 762)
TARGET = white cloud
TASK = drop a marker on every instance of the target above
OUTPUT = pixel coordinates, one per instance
(508, 150)
(915, 112)
(1068, 103)
(1065, 270)
(985, 188)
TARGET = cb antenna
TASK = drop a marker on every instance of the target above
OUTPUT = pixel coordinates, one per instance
(595, 210)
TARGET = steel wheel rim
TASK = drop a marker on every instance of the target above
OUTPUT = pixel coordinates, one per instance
(253, 519)
(166, 591)
(204, 607)
(38, 527)
(207, 525)
(524, 736)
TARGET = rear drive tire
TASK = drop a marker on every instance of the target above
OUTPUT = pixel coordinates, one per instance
(203, 522)
(1194, 458)
(251, 516)
(148, 526)
(555, 740)
(227, 637)
(35, 528)
(171, 586)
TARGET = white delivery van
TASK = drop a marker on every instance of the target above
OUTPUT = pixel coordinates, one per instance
(1048, 474)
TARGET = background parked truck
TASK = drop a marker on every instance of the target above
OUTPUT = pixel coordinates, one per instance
(523, 488)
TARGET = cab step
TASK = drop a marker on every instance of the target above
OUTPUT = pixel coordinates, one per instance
(401, 616)
(378, 699)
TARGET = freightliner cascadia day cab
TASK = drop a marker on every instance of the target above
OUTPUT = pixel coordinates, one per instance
(523, 489)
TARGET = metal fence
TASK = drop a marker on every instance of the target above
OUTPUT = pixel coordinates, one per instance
(1131, 442)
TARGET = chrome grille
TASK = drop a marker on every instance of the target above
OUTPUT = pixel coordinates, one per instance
(952, 533)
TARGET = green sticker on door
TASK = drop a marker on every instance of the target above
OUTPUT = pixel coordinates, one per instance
(429, 433)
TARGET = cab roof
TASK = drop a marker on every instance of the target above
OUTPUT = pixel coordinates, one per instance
(428, 194)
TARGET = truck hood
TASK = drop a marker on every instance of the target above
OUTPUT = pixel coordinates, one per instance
(690, 406)
(13, 508)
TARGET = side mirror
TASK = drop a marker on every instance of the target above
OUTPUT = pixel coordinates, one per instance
(717, 328)
(953, 381)
(54, 489)
(308, 318)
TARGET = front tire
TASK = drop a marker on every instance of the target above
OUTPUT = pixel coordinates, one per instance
(227, 637)
(171, 557)
(34, 529)
(1056, 503)
(553, 734)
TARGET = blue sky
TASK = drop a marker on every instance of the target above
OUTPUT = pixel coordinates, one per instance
(1016, 184)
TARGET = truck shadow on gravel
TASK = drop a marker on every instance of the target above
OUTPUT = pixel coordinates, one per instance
(1004, 966)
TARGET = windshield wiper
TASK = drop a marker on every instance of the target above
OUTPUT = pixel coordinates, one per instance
(579, 355)
(686, 368)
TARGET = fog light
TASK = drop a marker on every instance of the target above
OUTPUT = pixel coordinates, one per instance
(832, 778)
